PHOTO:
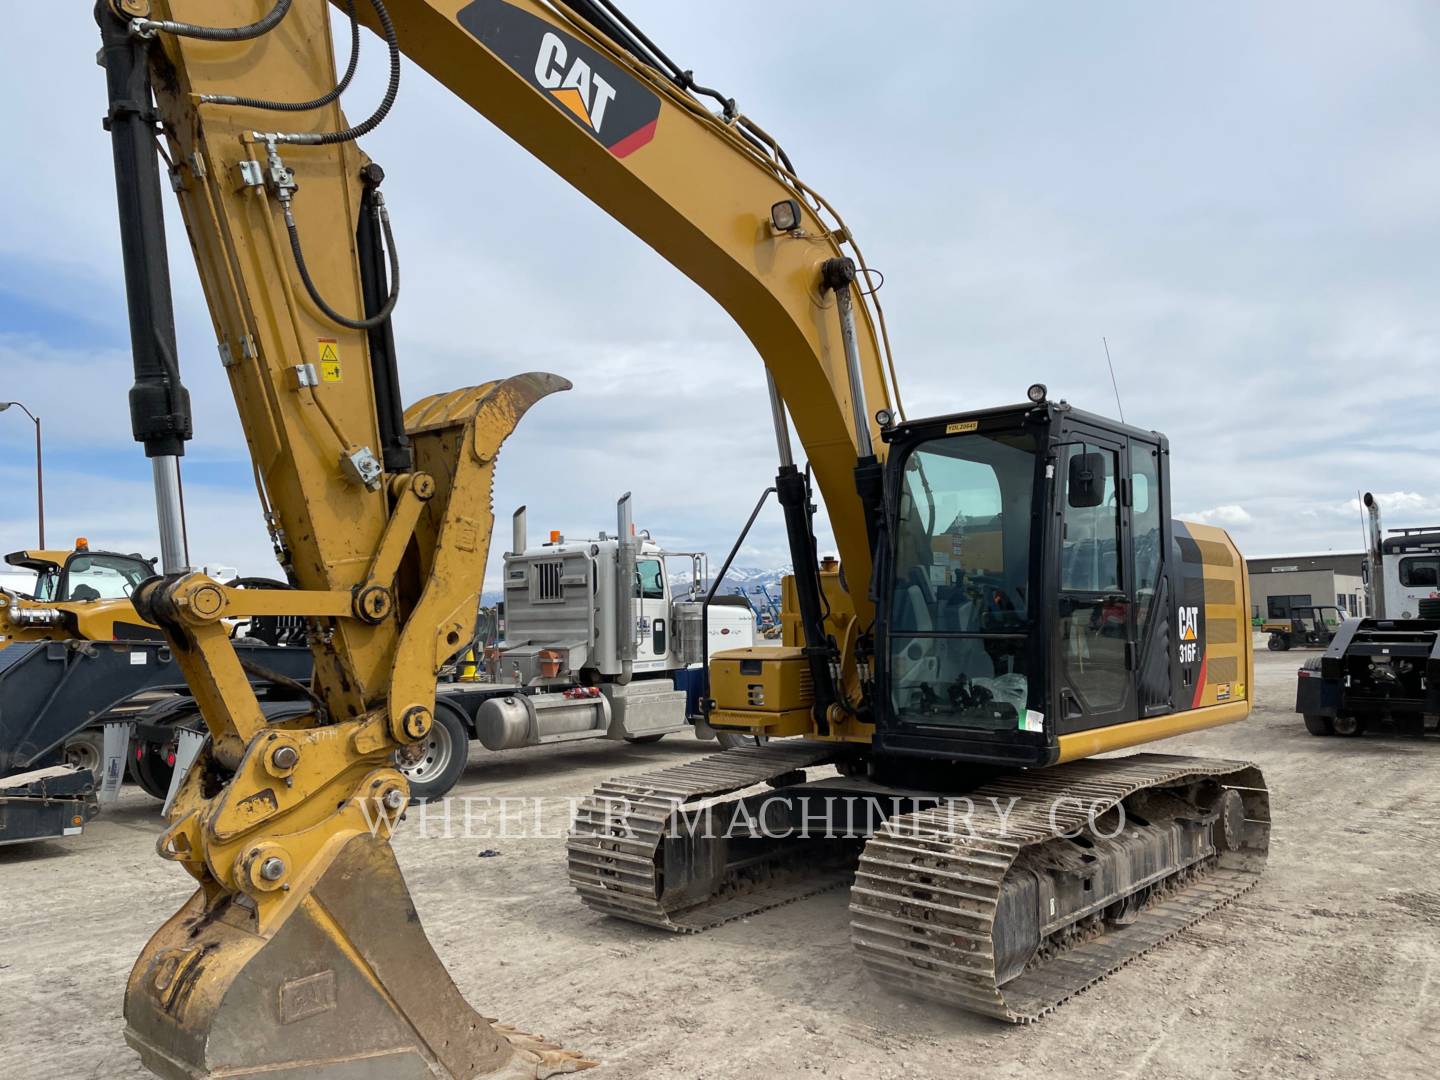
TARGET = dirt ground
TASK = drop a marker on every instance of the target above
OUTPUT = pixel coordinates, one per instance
(1330, 968)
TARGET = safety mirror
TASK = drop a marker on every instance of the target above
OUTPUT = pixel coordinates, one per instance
(1086, 484)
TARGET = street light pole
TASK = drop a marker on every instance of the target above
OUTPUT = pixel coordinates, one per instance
(39, 466)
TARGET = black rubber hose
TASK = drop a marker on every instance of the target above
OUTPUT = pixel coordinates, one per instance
(392, 89)
(218, 33)
(624, 20)
(754, 131)
(302, 106)
(309, 283)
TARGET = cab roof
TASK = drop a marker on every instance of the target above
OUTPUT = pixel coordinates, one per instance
(37, 559)
(1048, 410)
(42, 559)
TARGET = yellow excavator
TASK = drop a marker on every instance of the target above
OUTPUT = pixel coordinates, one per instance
(1012, 600)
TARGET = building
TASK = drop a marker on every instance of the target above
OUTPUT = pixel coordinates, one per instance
(1283, 582)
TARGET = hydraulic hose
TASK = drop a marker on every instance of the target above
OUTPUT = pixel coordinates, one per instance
(150, 27)
(330, 313)
(302, 106)
(392, 89)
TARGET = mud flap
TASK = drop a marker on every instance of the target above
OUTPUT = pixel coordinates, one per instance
(112, 768)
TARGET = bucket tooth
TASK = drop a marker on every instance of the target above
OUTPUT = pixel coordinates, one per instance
(346, 988)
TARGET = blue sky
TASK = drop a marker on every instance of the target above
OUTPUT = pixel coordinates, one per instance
(1241, 197)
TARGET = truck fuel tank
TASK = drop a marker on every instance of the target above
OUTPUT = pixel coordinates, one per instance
(516, 720)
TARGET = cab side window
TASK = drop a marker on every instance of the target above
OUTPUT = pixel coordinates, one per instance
(1145, 528)
(1090, 549)
(650, 579)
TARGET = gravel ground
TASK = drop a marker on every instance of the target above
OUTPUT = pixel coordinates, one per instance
(1330, 968)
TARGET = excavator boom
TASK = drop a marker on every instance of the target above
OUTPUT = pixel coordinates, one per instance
(696, 186)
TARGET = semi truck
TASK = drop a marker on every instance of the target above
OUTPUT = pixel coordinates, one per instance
(597, 644)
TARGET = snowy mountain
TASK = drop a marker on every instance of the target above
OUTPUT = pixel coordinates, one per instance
(740, 578)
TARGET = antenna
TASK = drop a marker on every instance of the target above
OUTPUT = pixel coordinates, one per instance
(1113, 385)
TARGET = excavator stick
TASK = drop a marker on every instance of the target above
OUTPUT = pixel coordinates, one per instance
(301, 954)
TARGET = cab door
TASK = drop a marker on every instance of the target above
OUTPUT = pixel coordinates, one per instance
(652, 611)
(1095, 597)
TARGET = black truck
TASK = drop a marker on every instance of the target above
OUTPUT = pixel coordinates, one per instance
(1374, 672)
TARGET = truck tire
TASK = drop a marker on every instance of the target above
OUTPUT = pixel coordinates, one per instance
(1318, 725)
(152, 770)
(1348, 726)
(1278, 643)
(439, 759)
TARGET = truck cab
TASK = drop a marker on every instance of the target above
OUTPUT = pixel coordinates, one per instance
(598, 642)
(1411, 565)
(576, 611)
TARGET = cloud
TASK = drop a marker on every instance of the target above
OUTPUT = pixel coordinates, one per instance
(1229, 515)
(1399, 504)
(1255, 241)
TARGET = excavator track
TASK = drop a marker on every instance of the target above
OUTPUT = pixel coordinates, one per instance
(982, 899)
(930, 885)
(618, 842)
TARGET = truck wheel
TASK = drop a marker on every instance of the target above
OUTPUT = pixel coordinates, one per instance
(1349, 726)
(435, 763)
(641, 739)
(152, 770)
(1278, 643)
(1318, 725)
(86, 750)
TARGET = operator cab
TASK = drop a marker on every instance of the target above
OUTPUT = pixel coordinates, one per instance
(1023, 589)
(82, 574)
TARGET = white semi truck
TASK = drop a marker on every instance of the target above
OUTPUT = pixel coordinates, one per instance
(596, 644)
(1403, 568)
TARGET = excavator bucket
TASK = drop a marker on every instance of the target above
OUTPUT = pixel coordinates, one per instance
(348, 988)
(322, 970)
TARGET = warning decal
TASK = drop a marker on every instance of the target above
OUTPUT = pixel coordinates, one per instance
(328, 354)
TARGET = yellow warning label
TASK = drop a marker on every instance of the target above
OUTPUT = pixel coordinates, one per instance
(328, 354)
(961, 428)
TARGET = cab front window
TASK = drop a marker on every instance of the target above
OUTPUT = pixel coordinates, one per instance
(960, 606)
(103, 577)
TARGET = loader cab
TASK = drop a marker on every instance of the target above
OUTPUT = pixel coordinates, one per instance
(1023, 588)
(77, 594)
(82, 574)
